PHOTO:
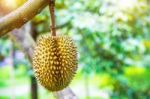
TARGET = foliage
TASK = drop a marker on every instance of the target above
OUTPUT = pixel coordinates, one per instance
(113, 42)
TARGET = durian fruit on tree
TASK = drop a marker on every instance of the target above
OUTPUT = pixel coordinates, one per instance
(54, 58)
(55, 61)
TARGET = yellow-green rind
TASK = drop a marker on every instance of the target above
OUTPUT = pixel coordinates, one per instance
(55, 61)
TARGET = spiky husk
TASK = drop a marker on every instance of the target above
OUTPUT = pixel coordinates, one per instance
(55, 61)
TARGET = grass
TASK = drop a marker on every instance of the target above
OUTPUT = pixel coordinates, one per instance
(27, 96)
(18, 81)
(20, 76)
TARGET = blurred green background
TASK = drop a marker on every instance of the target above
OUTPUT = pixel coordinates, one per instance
(113, 41)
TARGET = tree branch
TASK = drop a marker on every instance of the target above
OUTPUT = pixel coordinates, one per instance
(67, 93)
(22, 15)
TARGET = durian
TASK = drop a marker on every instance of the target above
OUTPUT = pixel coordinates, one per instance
(54, 61)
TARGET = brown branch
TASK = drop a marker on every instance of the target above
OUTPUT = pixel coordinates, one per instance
(22, 15)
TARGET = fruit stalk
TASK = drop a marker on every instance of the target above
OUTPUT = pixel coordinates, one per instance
(52, 17)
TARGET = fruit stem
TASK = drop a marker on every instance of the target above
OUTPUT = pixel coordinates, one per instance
(52, 17)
